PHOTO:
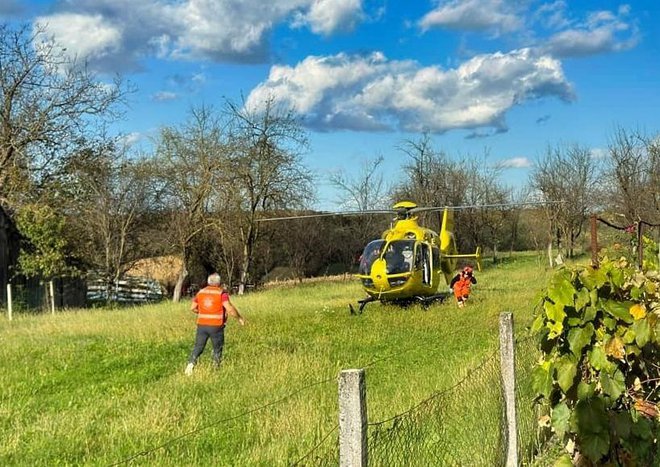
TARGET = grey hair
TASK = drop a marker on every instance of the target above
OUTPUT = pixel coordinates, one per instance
(213, 279)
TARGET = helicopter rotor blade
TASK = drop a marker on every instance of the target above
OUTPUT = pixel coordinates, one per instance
(328, 214)
(396, 212)
(481, 206)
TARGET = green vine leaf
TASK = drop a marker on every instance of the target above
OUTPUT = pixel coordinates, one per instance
(582, 299)
(542, 379)
(590, 313)
(617, 309)
(561, 416)
(622, 423)
(642, 331)
(585, 390)
(566, 368)
(563, 461)
(617, 277)
(556, 328)
(578, 338)
(593, 278)
(537, 325)
(561, 291)
(613, 385)
(599, 361)
(595, 445)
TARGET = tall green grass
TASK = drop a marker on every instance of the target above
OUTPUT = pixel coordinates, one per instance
(100, 387)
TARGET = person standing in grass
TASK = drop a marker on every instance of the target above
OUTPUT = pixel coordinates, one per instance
(211, 304)
(461, 284)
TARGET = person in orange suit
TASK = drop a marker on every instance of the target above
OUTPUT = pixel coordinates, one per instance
(211, 304)
(461, 284)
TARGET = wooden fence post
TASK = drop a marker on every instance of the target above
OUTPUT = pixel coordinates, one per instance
(594, 242)
(352, 419)
(507, 361)
(9, 302)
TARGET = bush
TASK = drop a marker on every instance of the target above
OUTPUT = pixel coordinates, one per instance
(600, 336)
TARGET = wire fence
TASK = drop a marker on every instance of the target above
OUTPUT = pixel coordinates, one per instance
(463, 424)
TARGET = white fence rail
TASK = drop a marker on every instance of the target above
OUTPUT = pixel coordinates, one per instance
(129, 290)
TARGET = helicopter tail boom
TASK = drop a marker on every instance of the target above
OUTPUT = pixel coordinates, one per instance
(476, 255)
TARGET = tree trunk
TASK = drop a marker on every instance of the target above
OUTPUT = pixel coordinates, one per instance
(245, 265)
(550, 253)
(247, 259)
(178, 288)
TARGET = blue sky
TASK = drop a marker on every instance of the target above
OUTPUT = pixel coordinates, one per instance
(506, 77)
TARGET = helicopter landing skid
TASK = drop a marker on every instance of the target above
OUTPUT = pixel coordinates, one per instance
(427, 300)
(361, 304)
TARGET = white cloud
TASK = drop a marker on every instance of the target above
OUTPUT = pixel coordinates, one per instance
(329, 16)
(374, 93)
(85, 37)
(547, 26)
(124, 31)
(489, 15)
(602, 31)
(598, 153)
(515, 163)
(131, 139)
(164, 96)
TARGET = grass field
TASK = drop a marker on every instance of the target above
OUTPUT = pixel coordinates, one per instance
(100, 387)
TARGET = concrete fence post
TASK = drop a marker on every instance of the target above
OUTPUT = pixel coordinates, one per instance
(9, 302)
(508, 361)
(51, 293)
(352, 419)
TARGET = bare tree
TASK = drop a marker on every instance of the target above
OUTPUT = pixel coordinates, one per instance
(432, 178)
(266, 169)
(568, 177)
(110, 194)
(47, 101)
(633, 170)
(192, 164)
(364, 190)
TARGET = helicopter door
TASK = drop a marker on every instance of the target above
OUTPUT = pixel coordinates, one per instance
(424, 262)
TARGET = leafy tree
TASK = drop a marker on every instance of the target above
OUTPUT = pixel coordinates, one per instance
(44, 250)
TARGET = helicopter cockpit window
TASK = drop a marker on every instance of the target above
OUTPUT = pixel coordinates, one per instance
(371, 252)
(399, 256)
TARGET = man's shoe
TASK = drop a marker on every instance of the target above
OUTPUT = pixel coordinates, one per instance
(189, 369)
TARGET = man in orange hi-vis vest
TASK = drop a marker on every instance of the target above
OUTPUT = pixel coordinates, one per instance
(461, 283)
(212, 305)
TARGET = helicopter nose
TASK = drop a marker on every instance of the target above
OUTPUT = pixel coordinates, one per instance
(379, 274)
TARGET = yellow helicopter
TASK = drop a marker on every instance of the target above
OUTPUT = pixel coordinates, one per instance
(410, 262)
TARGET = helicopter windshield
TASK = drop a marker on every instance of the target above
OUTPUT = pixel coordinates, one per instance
(399, 256)
(371, 253)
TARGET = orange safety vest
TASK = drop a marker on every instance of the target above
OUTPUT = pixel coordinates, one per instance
(462, 287)
(210, 309)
